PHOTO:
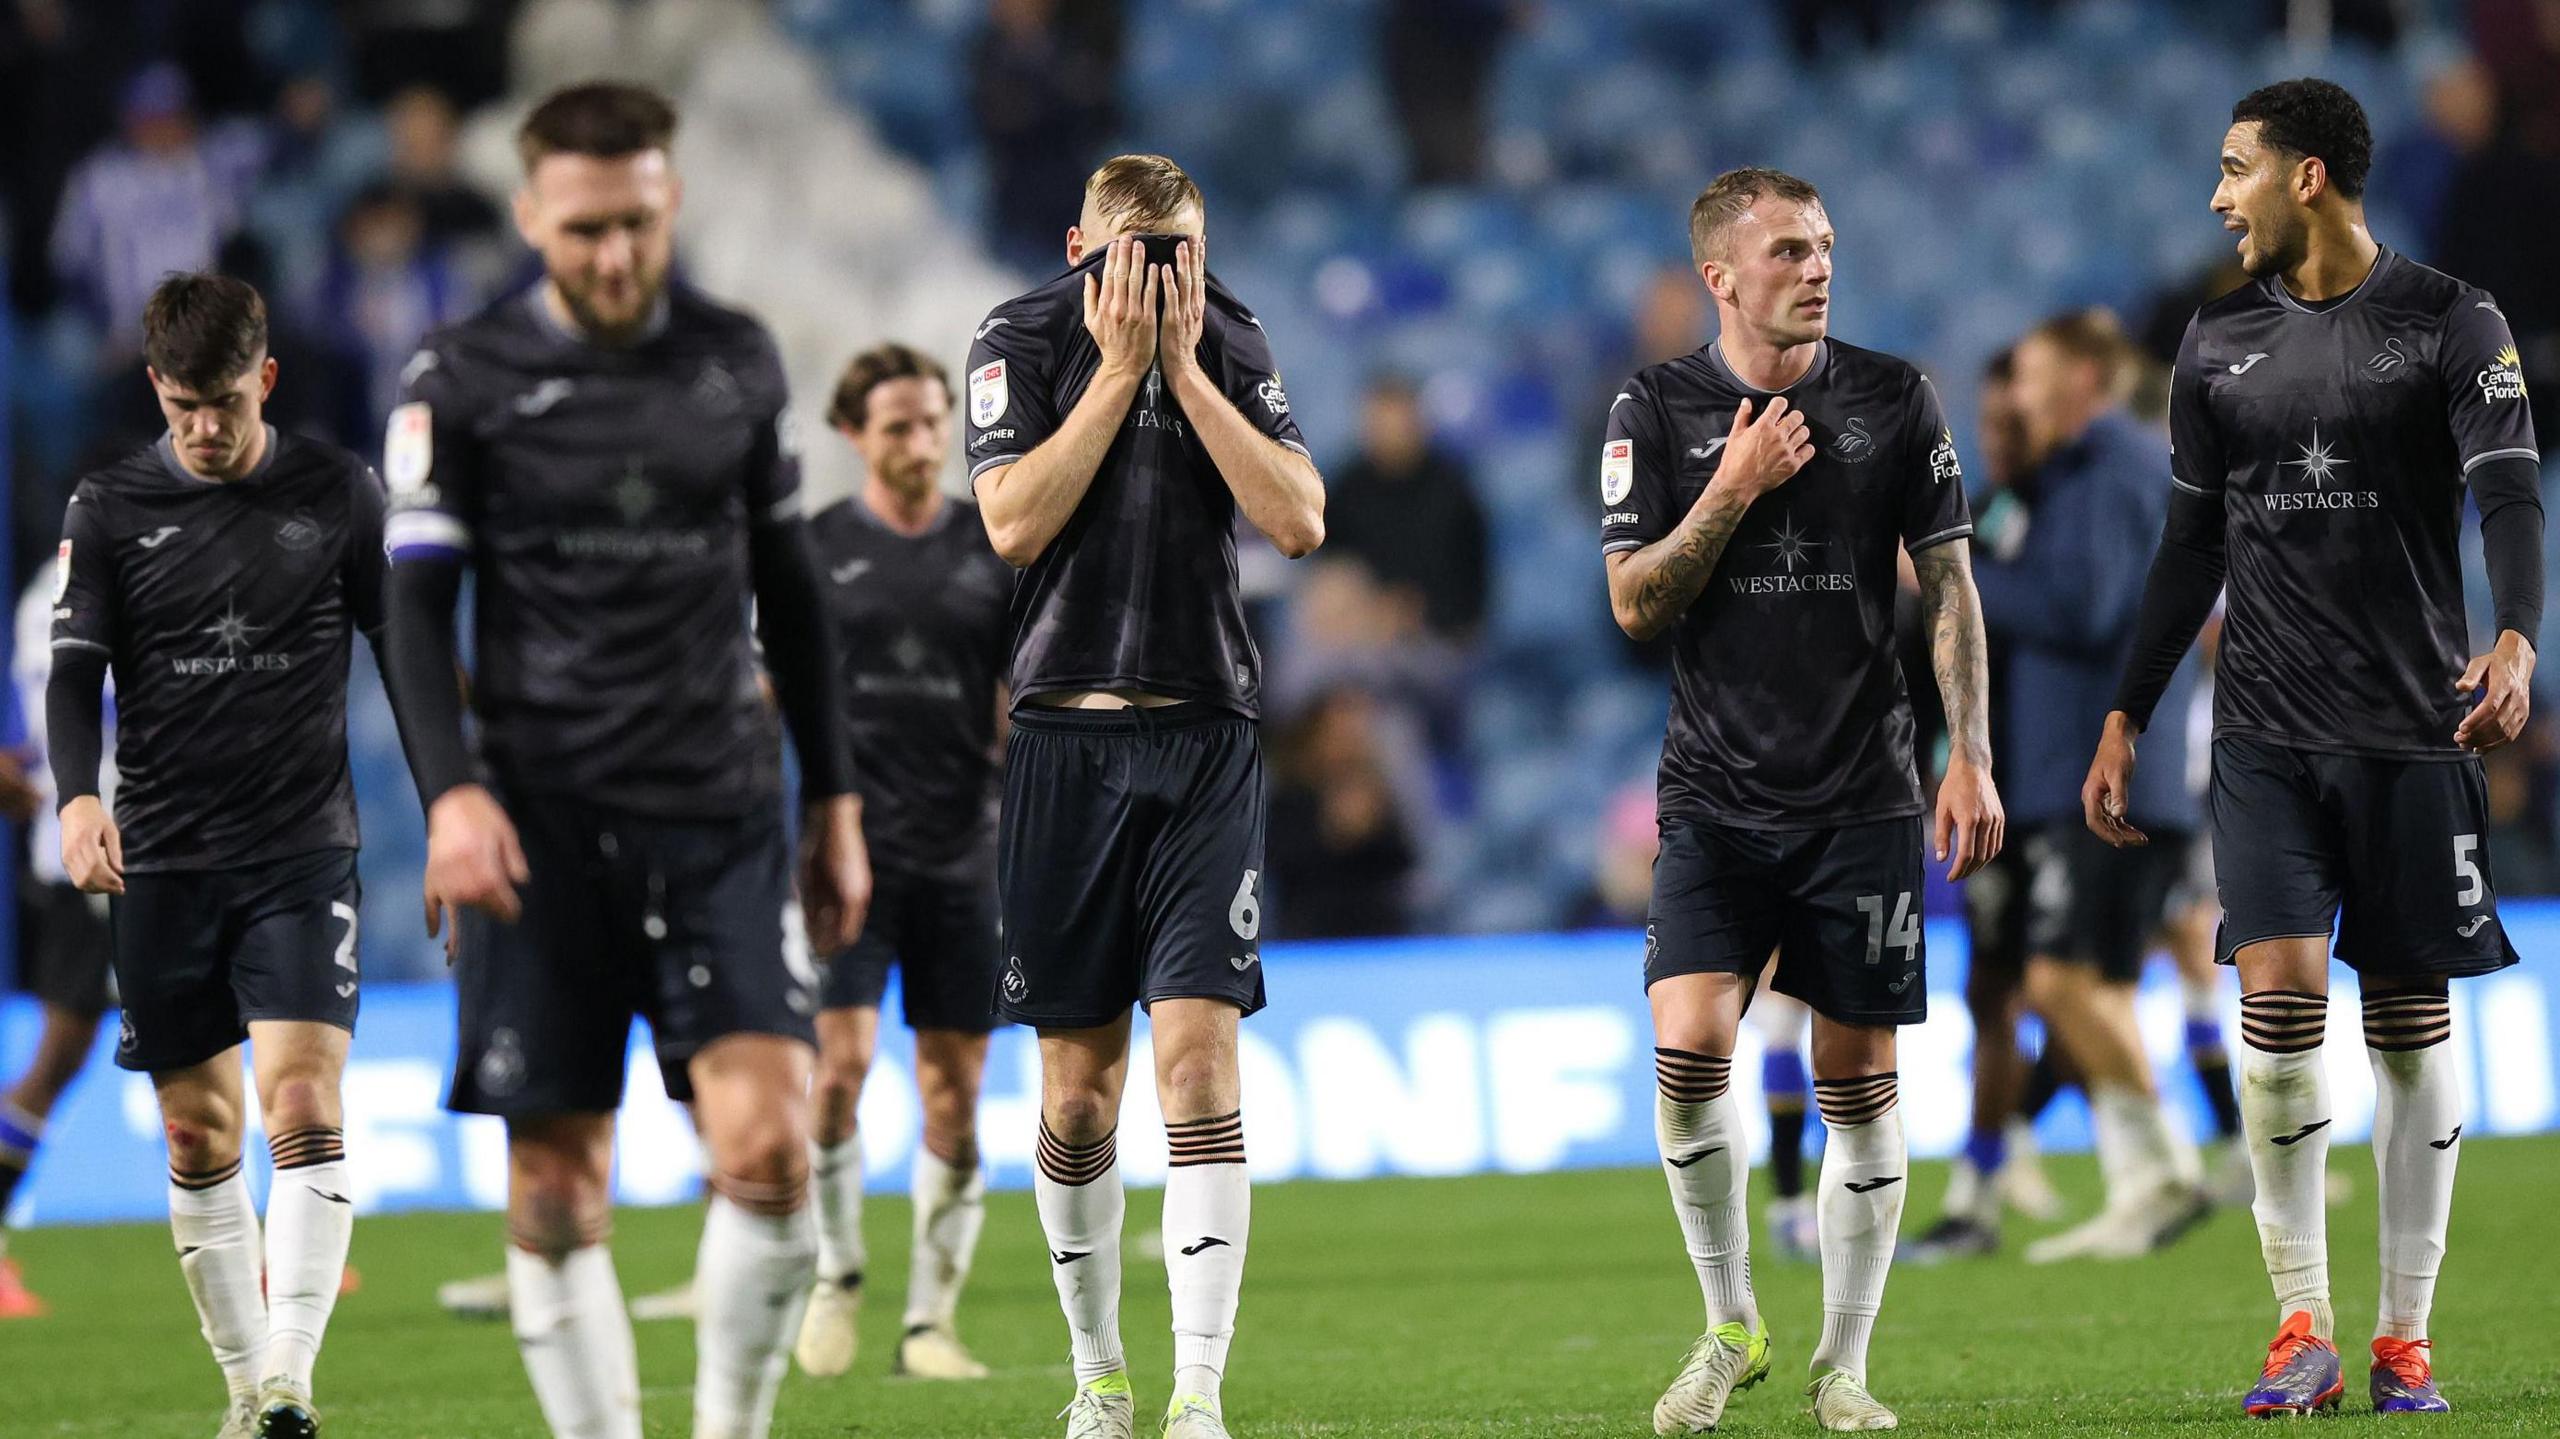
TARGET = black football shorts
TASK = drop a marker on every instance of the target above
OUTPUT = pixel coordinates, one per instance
(2092, 903)
(200, 953)
(678, 922)
(1130, 861)
(2392, 853)
(941, 933)
(1841, 906)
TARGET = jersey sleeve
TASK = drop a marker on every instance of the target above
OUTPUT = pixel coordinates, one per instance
(772, 475)
(1253, 382)
(1933, 503)
(1011, 407)
(367, 513)
(1638, 503)
(2484, 385)
(2195, 453)
(84, 580)
(431, 463)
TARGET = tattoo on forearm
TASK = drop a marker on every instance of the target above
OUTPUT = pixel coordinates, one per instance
(1677, 566)
(1952, 610)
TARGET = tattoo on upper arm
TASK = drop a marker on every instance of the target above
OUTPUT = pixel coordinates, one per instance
(1953, 612)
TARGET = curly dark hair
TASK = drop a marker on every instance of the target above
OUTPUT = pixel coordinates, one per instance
(2309, 117)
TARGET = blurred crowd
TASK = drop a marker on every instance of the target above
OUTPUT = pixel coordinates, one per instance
(309, 147)
(320, 149)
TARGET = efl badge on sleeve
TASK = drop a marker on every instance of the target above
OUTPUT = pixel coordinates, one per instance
(409, 449)
(1617, 470)
(987, 394)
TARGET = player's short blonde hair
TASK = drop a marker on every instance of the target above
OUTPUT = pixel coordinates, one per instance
(1730, 197)
(1134, 193)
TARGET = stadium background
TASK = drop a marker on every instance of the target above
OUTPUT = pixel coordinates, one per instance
(1462, 224)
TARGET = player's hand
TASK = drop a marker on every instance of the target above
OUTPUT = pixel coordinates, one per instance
(2506, 674)
(1186, 308)
(835, 873)
(474, 860)
(1764, 453)
(1120, 308)
(92, 848)
(2109, 787)
(1971, 824)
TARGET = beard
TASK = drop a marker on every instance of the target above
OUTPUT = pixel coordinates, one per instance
(591, 317)
(2274, 247)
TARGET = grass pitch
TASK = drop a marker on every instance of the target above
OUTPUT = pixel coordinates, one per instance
(1553, 1306)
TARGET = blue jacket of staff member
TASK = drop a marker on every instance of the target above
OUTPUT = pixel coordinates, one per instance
(2066, 603)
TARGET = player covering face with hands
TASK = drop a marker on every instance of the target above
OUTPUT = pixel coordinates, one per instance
(1120, 418)
(1757, 496)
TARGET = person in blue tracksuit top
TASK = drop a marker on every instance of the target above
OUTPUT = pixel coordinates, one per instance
(2065, 600)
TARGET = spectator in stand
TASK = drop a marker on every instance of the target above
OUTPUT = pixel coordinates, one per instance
(2499, 213)
(1814, 27)
(58, 70)
(163, 199)
(2519, 40)
(1630, 836)
(1045, 87)
(425, 135)
(387, 286)
(458, 46)
(1341, 854)
(1406, 509)
(1438, 55)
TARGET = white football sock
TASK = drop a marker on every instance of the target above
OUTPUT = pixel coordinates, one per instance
(950, 1210)
(311, 1218)
(1208, 1210)
(2284, 1106)
(1865, 1170)
(2115, 1132)
(216, 1228)
(1697, 1124)
(576, 1340)
(2417, 1133)
(752, 1275)
(2139, 1147)
(1081, 1206)
(835, 1176)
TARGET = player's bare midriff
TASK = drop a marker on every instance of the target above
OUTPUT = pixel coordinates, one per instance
(1100, 700)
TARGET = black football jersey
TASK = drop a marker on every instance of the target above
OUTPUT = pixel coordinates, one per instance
(1788, 707)
(2338, 437)
(605, 497)
(925, 644)
(225, 611)
(1138, 592)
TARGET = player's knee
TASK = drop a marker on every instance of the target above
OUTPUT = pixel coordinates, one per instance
(299, 1101)
(1197, 1081)
(555, 1215)
(1078, 1116)
(761, 1160)
(841, 1075)
(200, 1143)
